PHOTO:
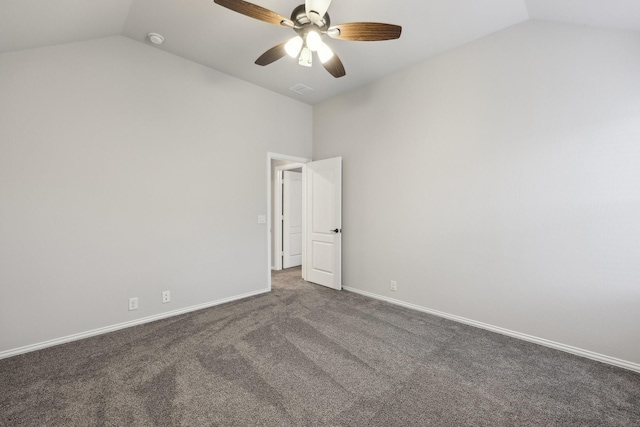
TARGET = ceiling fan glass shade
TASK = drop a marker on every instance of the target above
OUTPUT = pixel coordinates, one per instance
(324, 53)
(316, 9)
(305, 57)
(313, 40)
(293, 46)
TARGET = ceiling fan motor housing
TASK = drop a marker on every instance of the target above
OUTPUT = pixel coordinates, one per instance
(303, 24)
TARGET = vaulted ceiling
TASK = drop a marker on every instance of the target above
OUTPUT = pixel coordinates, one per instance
(204, 32)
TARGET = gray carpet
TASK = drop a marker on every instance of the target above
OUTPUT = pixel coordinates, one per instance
(306, 355)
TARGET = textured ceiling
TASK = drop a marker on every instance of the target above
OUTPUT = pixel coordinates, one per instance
(204, 32)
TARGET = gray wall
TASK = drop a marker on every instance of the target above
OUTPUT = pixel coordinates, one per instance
(500, 182)
(126, 171)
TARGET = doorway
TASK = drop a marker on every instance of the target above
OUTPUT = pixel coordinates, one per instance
(287, 217)
(276, 165)
(321, 218)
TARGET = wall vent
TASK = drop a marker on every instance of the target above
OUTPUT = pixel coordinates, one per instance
(301, 89)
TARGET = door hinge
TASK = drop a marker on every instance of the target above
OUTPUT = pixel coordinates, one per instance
(282, 253)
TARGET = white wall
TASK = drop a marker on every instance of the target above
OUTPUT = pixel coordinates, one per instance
(125, 171)
(500, 182)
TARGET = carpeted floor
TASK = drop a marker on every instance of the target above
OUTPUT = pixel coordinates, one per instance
(306, 355)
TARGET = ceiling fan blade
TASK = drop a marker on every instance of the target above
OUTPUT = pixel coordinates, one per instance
(254, 11)
(334, 67)
(272, 55)
(365, 31)
(316, 9)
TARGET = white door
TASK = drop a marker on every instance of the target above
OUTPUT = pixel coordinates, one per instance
(292, 219)
(323, 210)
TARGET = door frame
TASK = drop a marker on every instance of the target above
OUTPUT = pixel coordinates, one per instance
(301, 162)
(277, 231)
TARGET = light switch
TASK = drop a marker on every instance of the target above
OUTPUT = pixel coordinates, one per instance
(262, 219)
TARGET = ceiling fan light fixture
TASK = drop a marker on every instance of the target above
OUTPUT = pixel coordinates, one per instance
(313, 40)
(293, 46)
(324, 52)
(311, 21)
(305, 57)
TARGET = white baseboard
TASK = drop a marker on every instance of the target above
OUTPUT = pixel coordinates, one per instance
(106, 329)
(547, 343)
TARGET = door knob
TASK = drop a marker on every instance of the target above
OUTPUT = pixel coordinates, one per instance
(337, 230)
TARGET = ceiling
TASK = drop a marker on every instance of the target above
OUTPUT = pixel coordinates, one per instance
(204, 32)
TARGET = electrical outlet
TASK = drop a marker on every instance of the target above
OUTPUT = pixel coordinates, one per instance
(133, 303)
(166, 297)
(394, 285)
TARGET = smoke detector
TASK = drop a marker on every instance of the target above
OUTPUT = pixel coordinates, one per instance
(156, 38)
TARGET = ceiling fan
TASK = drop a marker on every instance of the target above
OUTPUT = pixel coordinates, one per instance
(311, 21)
